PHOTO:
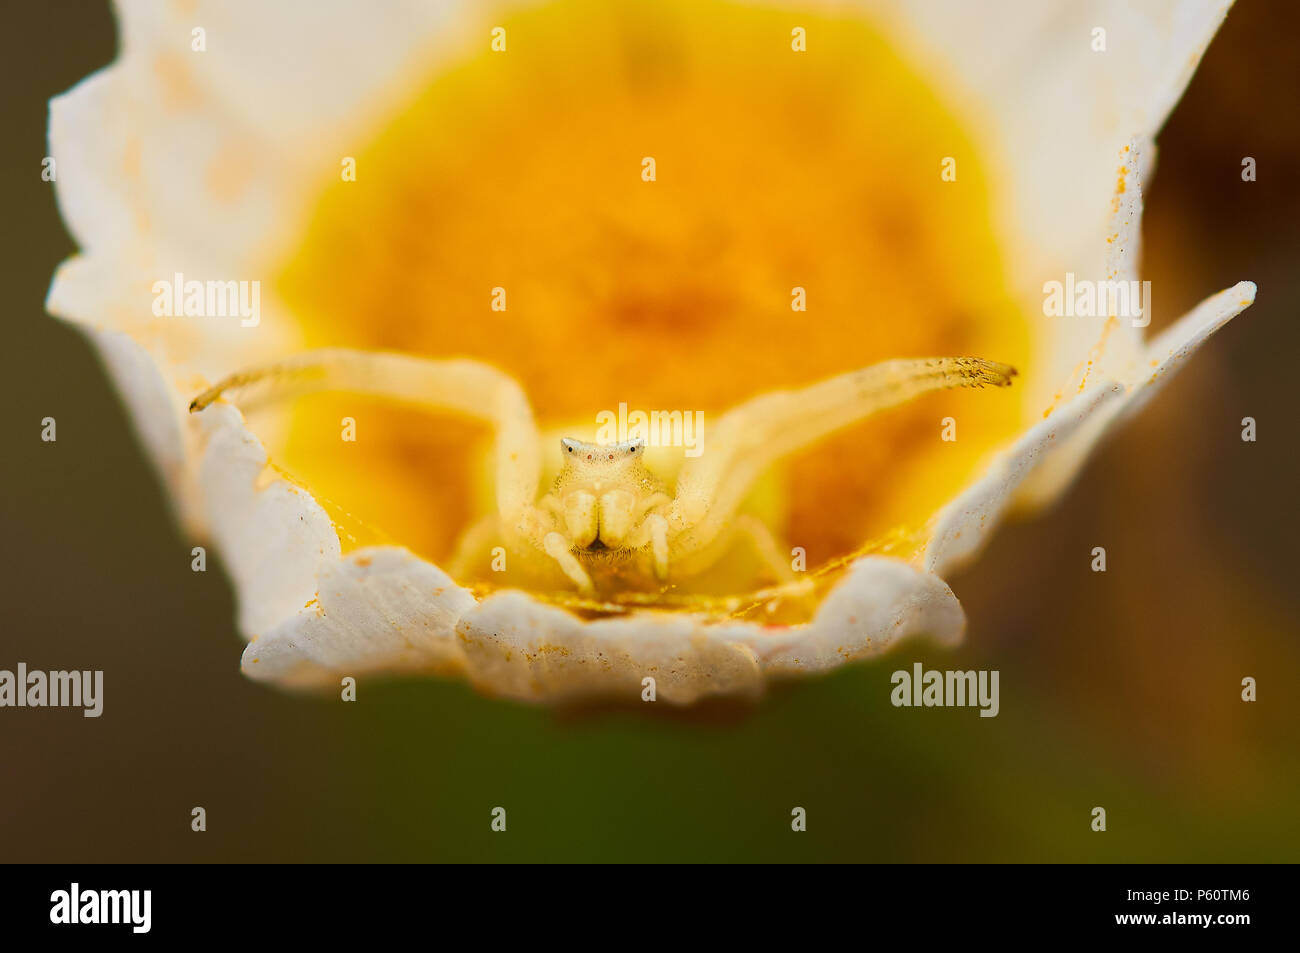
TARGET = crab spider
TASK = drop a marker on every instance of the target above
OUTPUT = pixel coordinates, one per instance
(606, 507)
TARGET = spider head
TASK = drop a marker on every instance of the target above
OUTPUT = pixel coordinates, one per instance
(601, 490)
(595, 458)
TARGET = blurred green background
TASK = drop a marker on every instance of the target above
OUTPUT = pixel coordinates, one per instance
(1119, 689)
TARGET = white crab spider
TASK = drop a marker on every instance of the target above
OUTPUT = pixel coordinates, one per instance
(606, 508)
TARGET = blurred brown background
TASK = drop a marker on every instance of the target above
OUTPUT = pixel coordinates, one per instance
(1118, 689)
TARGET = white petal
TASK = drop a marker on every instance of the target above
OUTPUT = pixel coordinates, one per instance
(880, 602)
(382, 609)
(147, 395)
(520, 649)
(1173, 346)
(1044, 461)
(1115, 347)
(1049, 111)
(300, 72)
(965, 524)
(378, 609)
(274, 537)
(524, 650)
(1118, 376)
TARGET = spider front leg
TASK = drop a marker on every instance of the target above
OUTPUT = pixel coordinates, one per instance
(751, 437)
(558, 547)
(542, 529)
(652, 531)
(656, 525)
(460, 386)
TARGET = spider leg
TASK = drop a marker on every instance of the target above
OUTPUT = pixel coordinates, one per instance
(750, 437)
(743, 529)
(652, 531)
(474, 547)
(657, 526)
(557, 547)
(458, 386)
(764, 545)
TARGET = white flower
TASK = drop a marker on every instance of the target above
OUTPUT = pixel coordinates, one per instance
(923, 168)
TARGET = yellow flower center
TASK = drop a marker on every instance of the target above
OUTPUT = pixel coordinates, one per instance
(774, 170)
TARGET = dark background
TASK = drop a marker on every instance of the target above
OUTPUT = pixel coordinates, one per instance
(1119, 689)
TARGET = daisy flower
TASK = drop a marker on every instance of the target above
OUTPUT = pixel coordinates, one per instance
(570, 213)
